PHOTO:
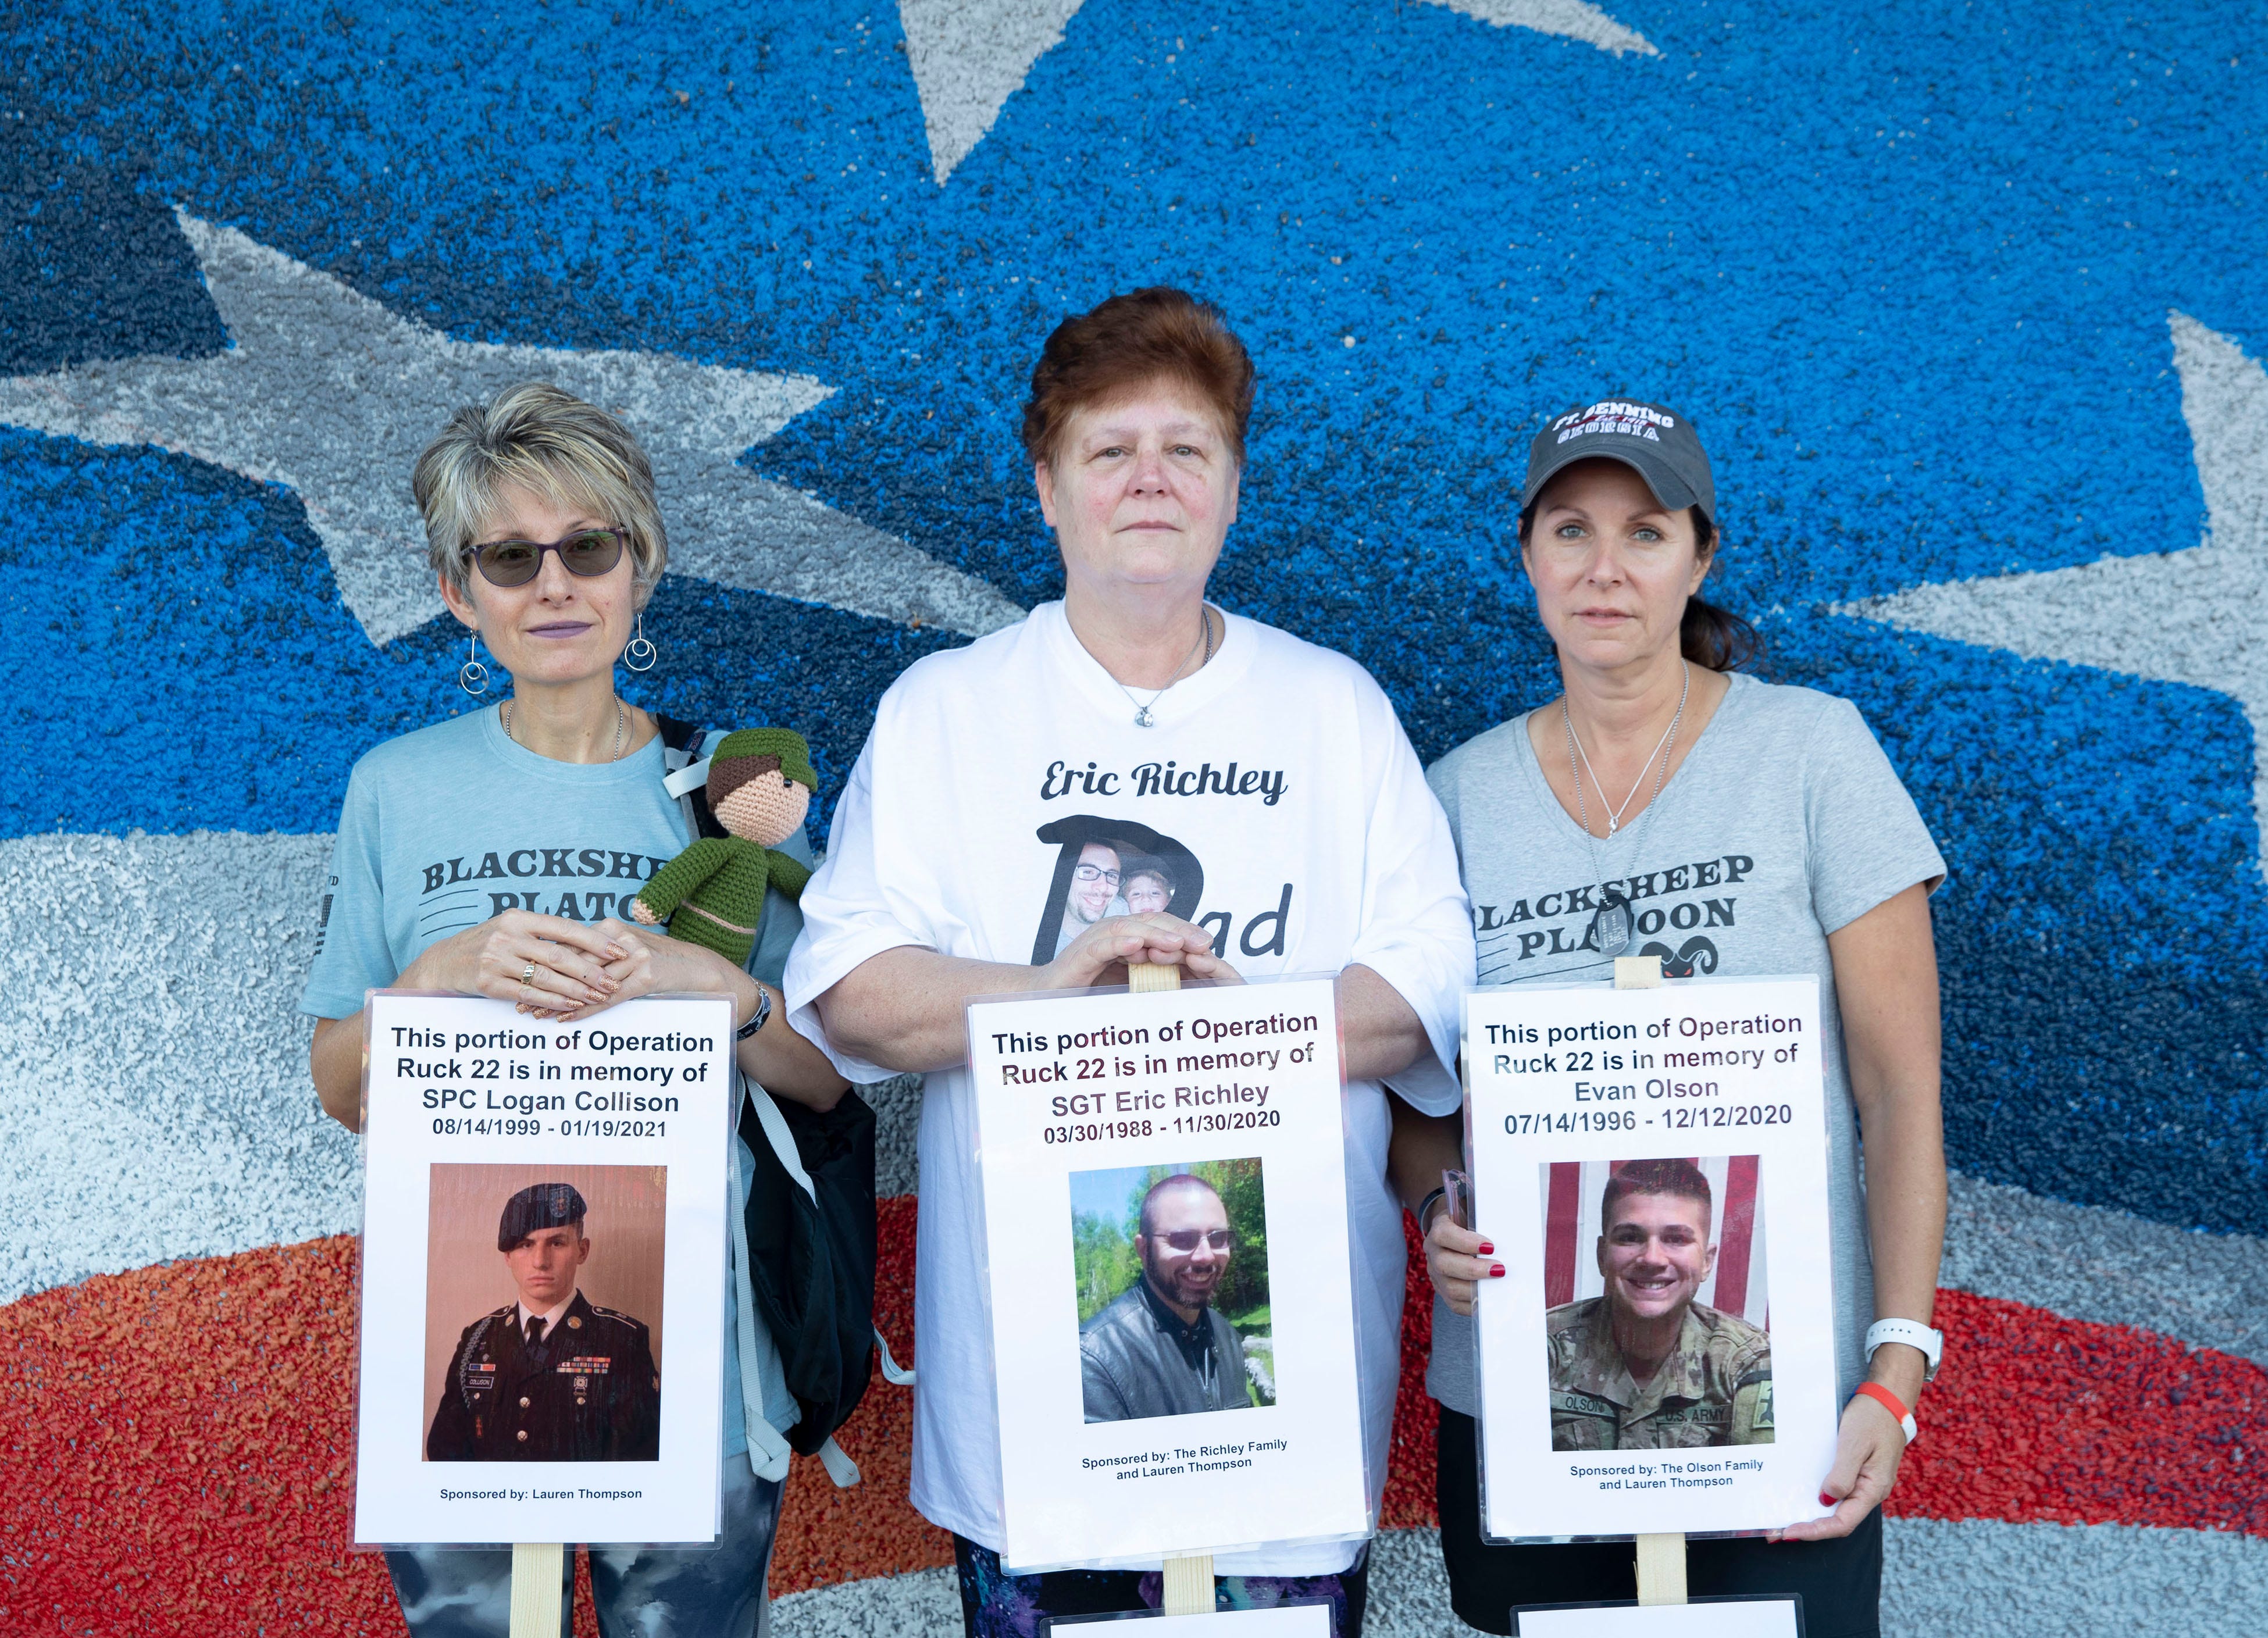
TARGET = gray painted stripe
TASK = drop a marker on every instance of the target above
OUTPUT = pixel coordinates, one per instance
(2210, 1291)
(1409, 1588)
(915, 1606)
(154, 1100)
(2036, 1581)
(897, 1121)
(2070, 1580)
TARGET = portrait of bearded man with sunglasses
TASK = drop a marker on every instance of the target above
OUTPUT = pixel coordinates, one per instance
(1162, 1350)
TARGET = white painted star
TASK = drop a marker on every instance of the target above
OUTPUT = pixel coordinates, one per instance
(970, 57)
(2194, 616)
(327, 392)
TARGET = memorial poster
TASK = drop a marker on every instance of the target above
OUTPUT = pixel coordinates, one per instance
(1172, 1307)
(1715, 1618)
(1651, 1164)
(542, 1271)
(1275, 1620)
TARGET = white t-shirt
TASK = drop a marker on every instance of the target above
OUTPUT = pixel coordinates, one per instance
(1278, 798)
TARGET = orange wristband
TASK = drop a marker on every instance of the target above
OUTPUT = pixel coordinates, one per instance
(1883, 1397)
(1889, 1402)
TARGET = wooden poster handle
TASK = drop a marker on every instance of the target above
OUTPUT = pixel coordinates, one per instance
(1661, 1567)
(1146, 977)
(535, 1578)
(1188, 1580)
(1660, 1558)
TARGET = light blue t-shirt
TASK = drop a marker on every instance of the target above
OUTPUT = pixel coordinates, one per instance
(448, 826)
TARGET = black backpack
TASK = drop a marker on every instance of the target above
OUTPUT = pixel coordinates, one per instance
(810, 1222)
(812, 1256)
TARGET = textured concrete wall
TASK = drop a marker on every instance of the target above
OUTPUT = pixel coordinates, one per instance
(1968, 305)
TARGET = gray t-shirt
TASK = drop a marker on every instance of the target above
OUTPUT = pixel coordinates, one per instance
(1785, 823)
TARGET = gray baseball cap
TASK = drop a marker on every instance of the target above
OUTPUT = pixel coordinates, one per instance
(1657, 444)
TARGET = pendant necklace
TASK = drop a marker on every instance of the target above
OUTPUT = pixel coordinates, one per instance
(1615, 814)
(505, 711)
(1142, 718)
(1612, 924)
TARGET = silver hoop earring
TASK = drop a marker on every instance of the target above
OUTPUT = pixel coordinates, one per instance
(641, 654)
(472, 676)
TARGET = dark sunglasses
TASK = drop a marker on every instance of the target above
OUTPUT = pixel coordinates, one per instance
(586, 552)
(1188, 1239)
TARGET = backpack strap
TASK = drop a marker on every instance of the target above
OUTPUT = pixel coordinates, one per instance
(688, 776)
(782, 1139)
(893, 1372)
(768, 1450)
(840, 1467)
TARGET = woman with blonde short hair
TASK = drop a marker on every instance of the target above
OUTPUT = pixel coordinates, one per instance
(497, 854)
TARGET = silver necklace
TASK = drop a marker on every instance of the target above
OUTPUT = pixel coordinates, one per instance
(618, 729)
(1142, 718)
(1615, 814)
(1612, 924)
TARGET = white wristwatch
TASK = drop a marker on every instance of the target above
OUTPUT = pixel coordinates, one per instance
(1913, 1333)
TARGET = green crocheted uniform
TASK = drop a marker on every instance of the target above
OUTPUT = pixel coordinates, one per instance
(712, 894)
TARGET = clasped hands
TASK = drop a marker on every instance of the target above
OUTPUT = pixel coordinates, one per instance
(554, 968)
(1100, 955)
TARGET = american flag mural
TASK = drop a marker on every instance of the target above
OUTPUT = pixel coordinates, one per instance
(1968, 303)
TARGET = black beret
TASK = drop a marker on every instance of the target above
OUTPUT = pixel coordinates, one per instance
(538, 1206)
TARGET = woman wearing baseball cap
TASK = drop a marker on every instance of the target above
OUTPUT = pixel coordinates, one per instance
(1732, 828)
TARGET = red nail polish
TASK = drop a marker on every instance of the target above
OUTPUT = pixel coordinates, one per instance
(1496, 1271)
(1487, 1250)
(1826, 1500)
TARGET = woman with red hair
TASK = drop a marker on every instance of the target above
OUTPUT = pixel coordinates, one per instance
(1009, 781)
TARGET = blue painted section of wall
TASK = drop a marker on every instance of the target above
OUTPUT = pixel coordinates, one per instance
(184, 664)
(1909, 272)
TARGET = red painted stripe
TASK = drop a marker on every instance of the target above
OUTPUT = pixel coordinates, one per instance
(1736, 1239)
(176, 1449)
(1563, 1210)
(2039, 1418)
(2034, 1419)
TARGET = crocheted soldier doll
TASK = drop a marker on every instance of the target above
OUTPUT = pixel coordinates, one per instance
(712, 894)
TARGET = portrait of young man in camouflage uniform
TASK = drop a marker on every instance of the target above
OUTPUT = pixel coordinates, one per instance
(1644, 1367)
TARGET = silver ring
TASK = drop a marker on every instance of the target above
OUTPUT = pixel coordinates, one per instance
(528, 977)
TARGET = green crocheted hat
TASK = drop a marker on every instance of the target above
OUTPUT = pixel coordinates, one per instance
(745, 753)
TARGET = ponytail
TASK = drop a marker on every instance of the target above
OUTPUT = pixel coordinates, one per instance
(1713, 638)
(1717, 639)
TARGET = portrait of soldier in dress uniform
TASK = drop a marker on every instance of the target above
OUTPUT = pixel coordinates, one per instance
(1644, 1366)
(1163, 1348)
(553, 1376)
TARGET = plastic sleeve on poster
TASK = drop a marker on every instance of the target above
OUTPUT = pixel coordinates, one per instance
(362, 1235)
(1796, 1320)
(1164, 1123)
(467, 1087)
